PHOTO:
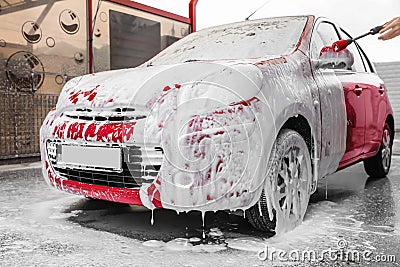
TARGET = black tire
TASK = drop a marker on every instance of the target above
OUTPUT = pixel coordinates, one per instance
(287, 143)
(379, 165)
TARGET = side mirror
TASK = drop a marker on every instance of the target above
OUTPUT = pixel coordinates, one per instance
(329, 58)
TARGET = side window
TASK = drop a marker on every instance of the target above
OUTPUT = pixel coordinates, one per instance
(358, 65)
(316, 46)
(328, 33)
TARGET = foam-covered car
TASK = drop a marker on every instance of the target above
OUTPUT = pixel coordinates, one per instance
(247, 116)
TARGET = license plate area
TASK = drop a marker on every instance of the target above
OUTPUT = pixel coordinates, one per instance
(89, 157)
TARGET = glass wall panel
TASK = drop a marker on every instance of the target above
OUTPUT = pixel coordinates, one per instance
(42, 44)
(126, 37)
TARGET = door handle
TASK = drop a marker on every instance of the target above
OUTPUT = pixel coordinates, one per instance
(358, 90)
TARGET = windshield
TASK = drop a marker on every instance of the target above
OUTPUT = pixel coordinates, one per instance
(248, 39)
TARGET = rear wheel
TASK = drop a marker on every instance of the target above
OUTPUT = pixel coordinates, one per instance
(288, 185)
(379, 165)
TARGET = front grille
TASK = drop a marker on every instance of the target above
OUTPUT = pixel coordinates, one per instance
(114, 115)
(139, 166)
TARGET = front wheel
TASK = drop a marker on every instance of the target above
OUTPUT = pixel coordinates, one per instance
(379, 165)
(284, 200)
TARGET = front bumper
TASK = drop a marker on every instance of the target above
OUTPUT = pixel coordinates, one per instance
(103, 184)
(107, 193)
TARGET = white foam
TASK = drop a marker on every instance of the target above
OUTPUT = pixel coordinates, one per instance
(208, 248)
(154, 243)
(252, 244)
(179, 244)
(215, 232)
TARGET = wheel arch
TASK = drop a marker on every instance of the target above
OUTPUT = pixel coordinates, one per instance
(390, 121)
(301, 118)
(300, 124)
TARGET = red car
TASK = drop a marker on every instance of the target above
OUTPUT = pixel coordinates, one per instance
(241, 116)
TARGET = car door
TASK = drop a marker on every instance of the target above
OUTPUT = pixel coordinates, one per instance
(353, 84)
(375, 107)
(372, 91)
(354, 90)
(375, 112)
(331, 101)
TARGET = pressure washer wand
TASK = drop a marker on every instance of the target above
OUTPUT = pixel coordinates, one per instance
(342, 44)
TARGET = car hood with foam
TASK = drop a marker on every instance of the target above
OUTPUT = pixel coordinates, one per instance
(225, 82)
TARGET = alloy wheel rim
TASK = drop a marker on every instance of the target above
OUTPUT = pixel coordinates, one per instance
(291, 191)
(386, 149)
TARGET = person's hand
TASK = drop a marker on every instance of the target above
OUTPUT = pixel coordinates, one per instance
(390, 30)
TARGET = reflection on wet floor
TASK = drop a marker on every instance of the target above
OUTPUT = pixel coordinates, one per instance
(371, 201)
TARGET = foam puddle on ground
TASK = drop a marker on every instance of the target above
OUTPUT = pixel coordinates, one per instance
(184, 244)
(251, 244)
(193, 244)
(68, 215)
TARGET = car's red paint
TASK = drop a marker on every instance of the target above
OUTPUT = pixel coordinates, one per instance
(355, 110)
(367, 108)
(120, 195)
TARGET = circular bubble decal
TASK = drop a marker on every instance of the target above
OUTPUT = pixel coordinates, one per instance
(31, 32)
(183, 31)
(69, 21)
(25, 71)
(50, 42)
(103, 17)
(59, 79)
(97, 33)
(79, 57)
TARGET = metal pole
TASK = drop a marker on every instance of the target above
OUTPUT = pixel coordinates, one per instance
(90, 34)
(192, 14)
